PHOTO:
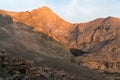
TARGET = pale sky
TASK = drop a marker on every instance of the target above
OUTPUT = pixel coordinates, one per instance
(69, 10)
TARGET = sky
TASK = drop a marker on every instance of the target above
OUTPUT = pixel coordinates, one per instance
(70, 10)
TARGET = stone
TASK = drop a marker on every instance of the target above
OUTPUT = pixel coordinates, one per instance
(36, 71)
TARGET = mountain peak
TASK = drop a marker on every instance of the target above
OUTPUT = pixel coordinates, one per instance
(43, 20)
(44, 8)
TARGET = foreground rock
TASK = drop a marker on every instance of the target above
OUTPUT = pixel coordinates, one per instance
(17, 68)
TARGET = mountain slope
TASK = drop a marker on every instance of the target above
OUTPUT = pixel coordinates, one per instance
(27, 38)
(45, 21)
(21, 40)
(94, 44)
(97, 39)
(100, 40)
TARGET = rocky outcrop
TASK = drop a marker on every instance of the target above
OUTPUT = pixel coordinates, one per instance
(17, 68)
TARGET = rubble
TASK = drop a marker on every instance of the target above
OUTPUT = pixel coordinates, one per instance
(17, 68)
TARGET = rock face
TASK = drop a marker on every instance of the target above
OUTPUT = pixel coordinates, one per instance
(100, 39)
